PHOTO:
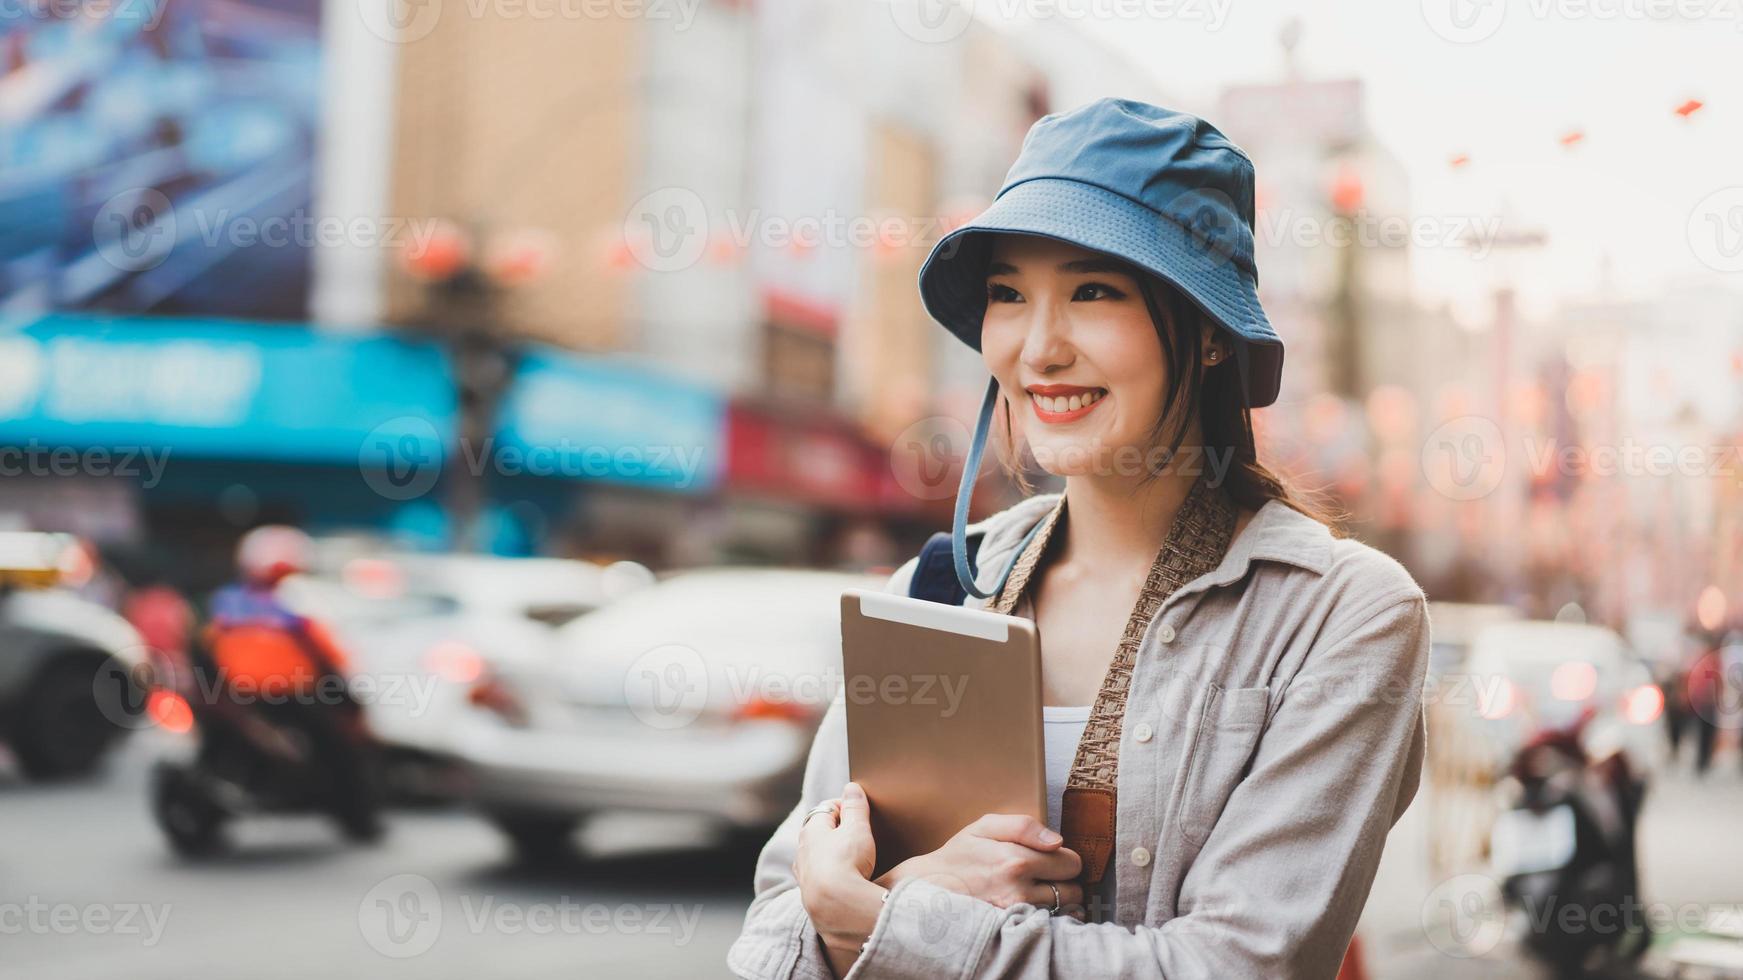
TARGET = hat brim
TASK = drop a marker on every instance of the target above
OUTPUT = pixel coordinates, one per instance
(953, 286)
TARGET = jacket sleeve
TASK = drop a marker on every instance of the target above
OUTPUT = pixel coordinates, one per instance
(1284, 873)
(778, 941)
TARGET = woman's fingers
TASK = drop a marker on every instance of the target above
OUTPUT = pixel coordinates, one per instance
(1015, 828)
(1060, 865)
(855, 809)
(1040, 895)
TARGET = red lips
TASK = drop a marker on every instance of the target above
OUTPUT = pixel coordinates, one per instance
(1049, 415)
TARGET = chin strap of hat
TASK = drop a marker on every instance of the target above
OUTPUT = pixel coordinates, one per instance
(965, 490)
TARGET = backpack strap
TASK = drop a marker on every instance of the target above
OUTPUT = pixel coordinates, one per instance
(935, 573)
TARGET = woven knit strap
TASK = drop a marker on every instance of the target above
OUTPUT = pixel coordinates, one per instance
(1196, 543)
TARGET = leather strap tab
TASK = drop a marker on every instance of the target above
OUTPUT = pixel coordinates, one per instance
(1087, 824)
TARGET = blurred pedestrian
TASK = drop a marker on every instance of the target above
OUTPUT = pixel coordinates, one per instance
(163, 617)
(1705, 686)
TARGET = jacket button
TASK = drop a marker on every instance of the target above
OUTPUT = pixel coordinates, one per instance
(1140, 857)
(1165, 633)
(1143, 733)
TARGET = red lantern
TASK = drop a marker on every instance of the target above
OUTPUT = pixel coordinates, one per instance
(440, 256)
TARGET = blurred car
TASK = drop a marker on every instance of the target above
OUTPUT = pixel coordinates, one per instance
(1527, 676)
(1455, 626)
(421, 629)
(1462, 760)
(1458, 753)
(698, 696)
(69, 668)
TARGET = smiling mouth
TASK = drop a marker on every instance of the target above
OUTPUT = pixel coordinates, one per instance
(1055, 406)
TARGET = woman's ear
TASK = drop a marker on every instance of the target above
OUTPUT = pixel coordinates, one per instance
(1210, 343)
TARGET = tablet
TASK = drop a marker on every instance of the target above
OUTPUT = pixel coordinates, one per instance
(943, 717)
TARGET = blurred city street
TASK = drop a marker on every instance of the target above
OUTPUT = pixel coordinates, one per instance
(295, 904)
(436, 441)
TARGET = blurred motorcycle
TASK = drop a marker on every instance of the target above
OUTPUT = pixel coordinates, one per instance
(263, 693)
(1566, 849)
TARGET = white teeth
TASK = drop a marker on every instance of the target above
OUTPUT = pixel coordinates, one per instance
(1063, 404)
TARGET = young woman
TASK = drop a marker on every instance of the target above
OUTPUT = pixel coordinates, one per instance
(1235, 692)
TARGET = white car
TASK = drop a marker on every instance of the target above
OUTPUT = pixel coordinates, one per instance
(420, 630)
(1531, 675)
(698, 695)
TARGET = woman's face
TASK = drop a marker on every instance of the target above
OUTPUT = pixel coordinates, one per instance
(1071, 342)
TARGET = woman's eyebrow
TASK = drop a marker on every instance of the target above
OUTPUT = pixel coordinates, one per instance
(1095, 265)
(1001, 269)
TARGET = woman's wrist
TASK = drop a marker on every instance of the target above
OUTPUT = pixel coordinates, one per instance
(846, 910)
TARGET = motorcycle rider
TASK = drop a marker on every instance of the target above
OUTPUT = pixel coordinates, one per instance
(288, 665)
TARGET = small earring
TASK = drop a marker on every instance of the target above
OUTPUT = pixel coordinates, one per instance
(1215, 354)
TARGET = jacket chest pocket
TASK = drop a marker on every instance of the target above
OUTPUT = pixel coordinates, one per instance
(1225, 732)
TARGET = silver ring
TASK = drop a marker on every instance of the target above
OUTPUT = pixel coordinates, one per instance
(827, 806)
(1055, 909)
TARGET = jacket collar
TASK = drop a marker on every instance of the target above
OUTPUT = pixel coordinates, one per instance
(1277, 533)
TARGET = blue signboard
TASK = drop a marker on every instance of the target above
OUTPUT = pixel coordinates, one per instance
(213, 388)
(598, 419)
(217, 389)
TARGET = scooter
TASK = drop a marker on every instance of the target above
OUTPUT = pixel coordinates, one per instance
(1566, 849)
(256, 754)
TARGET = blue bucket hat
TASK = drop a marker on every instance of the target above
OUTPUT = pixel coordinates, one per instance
(1162, 190)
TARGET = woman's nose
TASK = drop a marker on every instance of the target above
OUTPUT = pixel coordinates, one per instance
(1046, 345)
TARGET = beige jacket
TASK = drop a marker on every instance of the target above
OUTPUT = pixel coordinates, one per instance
(1273, 734)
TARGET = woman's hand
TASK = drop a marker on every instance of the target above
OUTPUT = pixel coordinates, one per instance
(1003, 859)
(833, 866)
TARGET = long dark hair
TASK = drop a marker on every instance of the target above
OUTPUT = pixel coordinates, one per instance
(1223, 415)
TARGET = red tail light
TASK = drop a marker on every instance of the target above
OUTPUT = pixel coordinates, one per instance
(762, 708)
(494, 696)
(170, 711)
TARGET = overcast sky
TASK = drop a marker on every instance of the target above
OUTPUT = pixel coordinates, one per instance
(1639, 190)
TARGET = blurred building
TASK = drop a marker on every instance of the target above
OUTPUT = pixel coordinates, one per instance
(568, 279)
(1333, 249)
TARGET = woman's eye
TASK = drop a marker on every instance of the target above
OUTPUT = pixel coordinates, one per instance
(1096, 290)
(1000, 293)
